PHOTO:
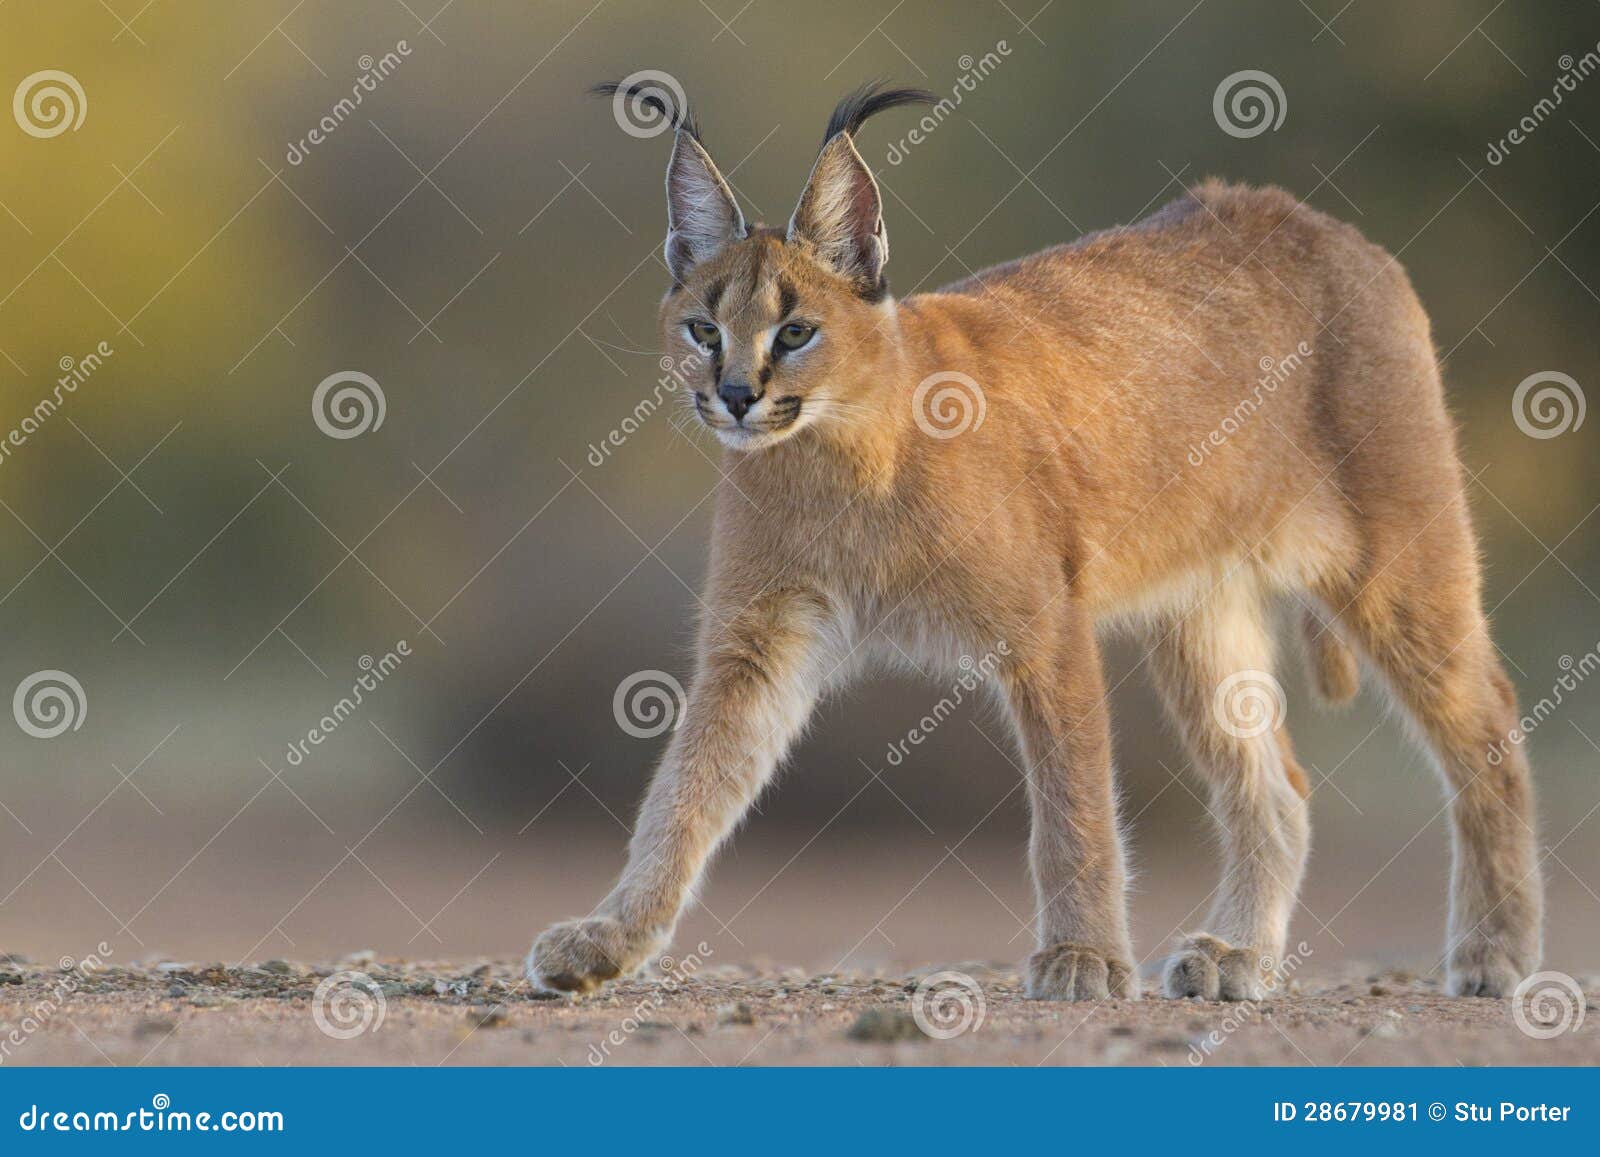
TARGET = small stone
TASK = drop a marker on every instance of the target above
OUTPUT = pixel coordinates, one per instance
(883, 1026)
(360, 956)
(1387, 1031)
(277, 967)
(735, 1014)
(1121, 1030)
(11, 978)
(177, 990)
(155, 1026)
(1378, 990)
(494, 1018)
(207, 1000)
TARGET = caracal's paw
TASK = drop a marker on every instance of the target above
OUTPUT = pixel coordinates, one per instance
(1480, 966)
(1213, 969)
(581, 955)
(1068, 971)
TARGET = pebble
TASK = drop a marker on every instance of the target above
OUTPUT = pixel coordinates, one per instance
(735, 1014)
(277, 967)
(884, 1025)
(494, 1018)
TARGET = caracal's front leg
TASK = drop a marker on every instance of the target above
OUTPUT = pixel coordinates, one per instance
(758, 674)
(1059, 703)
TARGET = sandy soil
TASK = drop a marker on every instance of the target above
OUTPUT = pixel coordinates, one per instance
(429, 1013)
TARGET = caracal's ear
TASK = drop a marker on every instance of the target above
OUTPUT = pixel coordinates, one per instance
(702, 215)
(841, 211)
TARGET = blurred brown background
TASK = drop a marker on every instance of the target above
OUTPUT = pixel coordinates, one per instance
(481, 240)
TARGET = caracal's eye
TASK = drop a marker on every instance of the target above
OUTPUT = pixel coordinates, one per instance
(795, 334)
(705, 332)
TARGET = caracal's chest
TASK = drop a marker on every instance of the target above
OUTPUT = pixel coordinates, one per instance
(903, 583)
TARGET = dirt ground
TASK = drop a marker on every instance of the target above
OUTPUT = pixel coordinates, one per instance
(391, 1012)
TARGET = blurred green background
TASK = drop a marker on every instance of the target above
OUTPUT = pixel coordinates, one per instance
(482, 240)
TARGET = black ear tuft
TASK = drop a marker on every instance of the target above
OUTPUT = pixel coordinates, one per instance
(654, 96)
(869, 100)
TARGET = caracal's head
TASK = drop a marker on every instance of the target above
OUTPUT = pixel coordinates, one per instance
(773, 330)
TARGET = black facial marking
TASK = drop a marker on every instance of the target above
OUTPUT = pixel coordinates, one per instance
(788, 297)
(764, 375)
(714, 295)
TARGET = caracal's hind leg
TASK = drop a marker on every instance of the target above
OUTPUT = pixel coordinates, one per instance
(1214, 669)
(1417, 614)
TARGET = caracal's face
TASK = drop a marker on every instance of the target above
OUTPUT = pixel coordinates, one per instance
(768, 339)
